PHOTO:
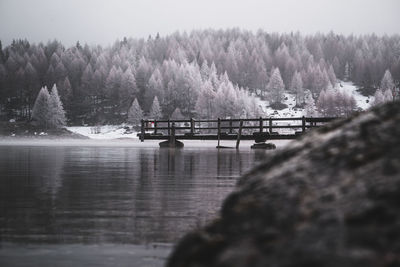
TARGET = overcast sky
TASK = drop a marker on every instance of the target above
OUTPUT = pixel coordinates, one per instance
(102, 21)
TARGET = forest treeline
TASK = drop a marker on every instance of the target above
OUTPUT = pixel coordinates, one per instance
(205, 73)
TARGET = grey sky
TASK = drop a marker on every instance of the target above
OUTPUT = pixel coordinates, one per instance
(102, 21)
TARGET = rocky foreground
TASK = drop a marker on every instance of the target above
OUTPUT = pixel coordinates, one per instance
(331, 198)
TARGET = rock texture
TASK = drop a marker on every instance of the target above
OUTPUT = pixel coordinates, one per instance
(332, 198)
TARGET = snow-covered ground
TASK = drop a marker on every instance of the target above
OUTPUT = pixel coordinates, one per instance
(363, 102)
(105, 132)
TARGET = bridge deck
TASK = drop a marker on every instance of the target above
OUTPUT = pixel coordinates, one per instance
(260, 129)
(149, 136)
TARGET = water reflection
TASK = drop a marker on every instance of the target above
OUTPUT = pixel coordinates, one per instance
(112, 194)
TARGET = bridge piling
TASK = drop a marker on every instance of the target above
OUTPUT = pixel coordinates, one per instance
(239, 135)
(192, 126)
(142, 131)
(172, 136)
(219, 131)
(270, 125)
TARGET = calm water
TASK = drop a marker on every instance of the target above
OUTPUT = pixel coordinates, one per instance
(83, 205)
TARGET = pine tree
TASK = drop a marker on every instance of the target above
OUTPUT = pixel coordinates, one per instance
(135, 113)
(322, 103)
(332, 76)
(127, 89)
(205, 105)
(347, 72)
(66, 91)
(387, 82)
(310, 108)
(226, 101)
(297, 87)
(276, 87)
(40, 112)
(177, 114)
(155, 111)
(205, 71)
(155, 88)
(56, 111)
(378, 98)
(388, 95)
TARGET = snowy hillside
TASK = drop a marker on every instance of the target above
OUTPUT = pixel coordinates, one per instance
(105, 132)
(363, 102)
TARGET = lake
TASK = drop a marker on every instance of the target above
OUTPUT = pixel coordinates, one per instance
(100, 204)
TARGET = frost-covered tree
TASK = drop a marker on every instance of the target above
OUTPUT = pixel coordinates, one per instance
(113, 83)
(177, 115)
(276, 87)
(135, 113)
(347, 72)
(248, 58)
(128, 84)
(155, 111)
(388, 95)
(378, 98)
(40, 112)
(333, 103)
(205, 71)
(226, 101)
(310, 108)
(155, 88)
(387, 82)
(56, 111)
(332, 75)
(66, 91)
(143, 74)
(297, 88)
(205, 105)
(87, 80)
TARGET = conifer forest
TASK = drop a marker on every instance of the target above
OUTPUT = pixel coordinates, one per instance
(201, 74)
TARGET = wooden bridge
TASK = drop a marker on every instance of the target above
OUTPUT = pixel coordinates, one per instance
(259, 130)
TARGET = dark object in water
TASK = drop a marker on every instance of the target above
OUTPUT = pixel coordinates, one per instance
(168, 143)
(261, 137)
(224, 147)
(263, 146)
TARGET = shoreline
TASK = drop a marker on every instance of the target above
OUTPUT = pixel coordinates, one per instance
(134, 142)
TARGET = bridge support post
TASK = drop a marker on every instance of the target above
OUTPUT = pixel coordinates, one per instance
(239, 136)
(219, 131)
(261, 125)
(172, 142)
(303, 124)
(155, 127)
(270, 125)
(142, 131)
(192, 126)
(172, 136)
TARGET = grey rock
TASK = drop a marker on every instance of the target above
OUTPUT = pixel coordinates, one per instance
(331, 198)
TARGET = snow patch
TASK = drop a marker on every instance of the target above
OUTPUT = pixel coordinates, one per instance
(105, 132)
(363, 102)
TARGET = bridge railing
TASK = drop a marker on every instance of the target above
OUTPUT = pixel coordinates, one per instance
(234, 126)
